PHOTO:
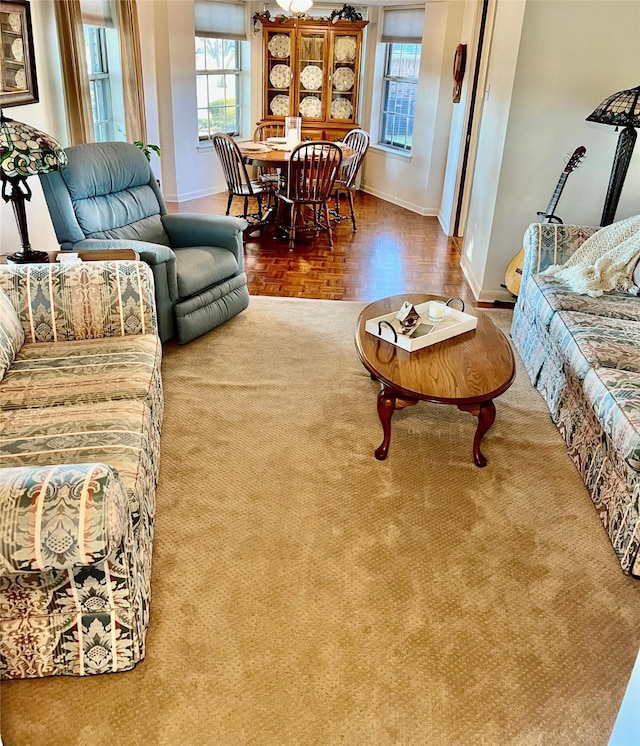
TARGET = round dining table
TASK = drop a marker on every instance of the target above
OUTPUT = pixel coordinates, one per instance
(277, 157)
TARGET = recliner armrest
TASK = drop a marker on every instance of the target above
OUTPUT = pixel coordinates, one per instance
(194, 229)
(150, 253)
(60, 517)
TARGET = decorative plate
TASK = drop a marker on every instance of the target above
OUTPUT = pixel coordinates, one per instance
(343, 79)
(280, 105)
(345, 48)
(341, 108)
(15, 23)
(17, 51)
(311, 77)
(20, 79)
(279, 45)
(256, 147)
(280, 76)
(311, 106)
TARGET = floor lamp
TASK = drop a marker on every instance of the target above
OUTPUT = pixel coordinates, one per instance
(25, 152)
(621, 110)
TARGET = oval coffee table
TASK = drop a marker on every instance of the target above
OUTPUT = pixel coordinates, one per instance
(469, 370)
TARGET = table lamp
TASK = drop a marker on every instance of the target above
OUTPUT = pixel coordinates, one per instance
(622, 109)
(24, 152)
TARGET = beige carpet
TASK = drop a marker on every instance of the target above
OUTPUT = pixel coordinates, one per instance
(304, 593)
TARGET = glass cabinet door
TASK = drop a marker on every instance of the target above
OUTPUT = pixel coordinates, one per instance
(344, 77)
(279, 75)
(312, 71)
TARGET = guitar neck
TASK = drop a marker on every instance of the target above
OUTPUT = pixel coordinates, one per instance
(555, 197)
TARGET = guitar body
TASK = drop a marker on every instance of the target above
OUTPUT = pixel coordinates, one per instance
(513, 275)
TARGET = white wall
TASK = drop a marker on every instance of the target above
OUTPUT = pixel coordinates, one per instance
(568, 57)
(415, 180)
(48, 116)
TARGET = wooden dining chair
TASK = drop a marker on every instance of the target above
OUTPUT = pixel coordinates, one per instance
(311, 174)
(235, 173)
(268, 174)
(358, 140)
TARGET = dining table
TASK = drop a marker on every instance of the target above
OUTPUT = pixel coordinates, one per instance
(276, 156)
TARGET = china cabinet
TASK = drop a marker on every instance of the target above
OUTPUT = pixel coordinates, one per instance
(312, 70)
(17, 65)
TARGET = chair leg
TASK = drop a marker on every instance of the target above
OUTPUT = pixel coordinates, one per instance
(329, 231)
(229, 201)
(353, 215)
(292, 229)
(246, 207)
(259, 198)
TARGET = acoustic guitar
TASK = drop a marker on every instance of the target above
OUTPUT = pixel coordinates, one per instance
(513, 275)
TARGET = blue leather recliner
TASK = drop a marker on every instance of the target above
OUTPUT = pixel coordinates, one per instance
(107, 197)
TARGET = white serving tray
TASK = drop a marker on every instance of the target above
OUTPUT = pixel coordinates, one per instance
(454, 322)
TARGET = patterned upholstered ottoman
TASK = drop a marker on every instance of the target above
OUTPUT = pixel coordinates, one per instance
(80, 416)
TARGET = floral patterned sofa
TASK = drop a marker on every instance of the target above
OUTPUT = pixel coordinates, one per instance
(582, 353)
(80, 415)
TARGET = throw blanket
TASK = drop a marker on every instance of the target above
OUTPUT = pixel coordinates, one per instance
(605, 261)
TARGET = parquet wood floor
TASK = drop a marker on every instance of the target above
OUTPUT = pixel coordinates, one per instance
(394, 251)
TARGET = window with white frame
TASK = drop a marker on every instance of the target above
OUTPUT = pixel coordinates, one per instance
(402, 36)
(220, 29)
(99, 82)
(104, 69)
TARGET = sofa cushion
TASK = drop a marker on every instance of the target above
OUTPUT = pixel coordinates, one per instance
(117, 433)
(200, 267)
(11, 333)
(614, 396)
(46, 374)
(585, 340)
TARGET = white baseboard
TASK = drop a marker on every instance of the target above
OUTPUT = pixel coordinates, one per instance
(185, 196)
(432, 212)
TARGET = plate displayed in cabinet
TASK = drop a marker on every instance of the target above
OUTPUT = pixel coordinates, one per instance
(280, 76)
(279, 45)
(15, 23)
(345, 49)
(341, 108)
(17, 51)
(343, 79)
(280, 105)
(21, 79)
(311, 106)
(311, 77)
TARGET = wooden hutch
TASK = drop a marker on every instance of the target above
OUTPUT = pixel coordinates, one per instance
(312, 70)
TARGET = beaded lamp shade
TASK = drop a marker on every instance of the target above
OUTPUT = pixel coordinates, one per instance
(25, 152)
(622, 109)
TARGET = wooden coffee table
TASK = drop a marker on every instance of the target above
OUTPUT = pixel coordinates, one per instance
(469, 370)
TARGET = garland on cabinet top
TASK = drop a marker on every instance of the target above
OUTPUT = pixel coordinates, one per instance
(346, 13)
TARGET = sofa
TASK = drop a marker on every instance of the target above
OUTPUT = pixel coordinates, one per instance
(107, 197)
(582, 354)
(80, 416)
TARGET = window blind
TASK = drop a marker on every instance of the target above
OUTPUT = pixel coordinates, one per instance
(402, 25)
(221, 20)
(96, 13)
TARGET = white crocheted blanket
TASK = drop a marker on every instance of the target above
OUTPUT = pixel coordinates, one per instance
(605, 261)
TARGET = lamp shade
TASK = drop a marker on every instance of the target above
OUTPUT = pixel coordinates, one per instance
(622, 109)
(295, 6)
(25, 151)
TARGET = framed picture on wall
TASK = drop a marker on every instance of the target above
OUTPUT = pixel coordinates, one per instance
(18, 81)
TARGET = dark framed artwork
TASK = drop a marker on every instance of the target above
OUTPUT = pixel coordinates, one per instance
(18, 81)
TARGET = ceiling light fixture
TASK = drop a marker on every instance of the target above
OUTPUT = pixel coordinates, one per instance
(295, 7)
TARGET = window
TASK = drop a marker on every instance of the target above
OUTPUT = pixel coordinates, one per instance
(402, 37)
(221, 31)
(402, 63)
(218, 69)
(99, 82)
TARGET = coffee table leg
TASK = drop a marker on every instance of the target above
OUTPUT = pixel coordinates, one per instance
(486, 417)
(386, 407)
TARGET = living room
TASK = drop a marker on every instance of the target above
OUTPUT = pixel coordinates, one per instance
(303, 591)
